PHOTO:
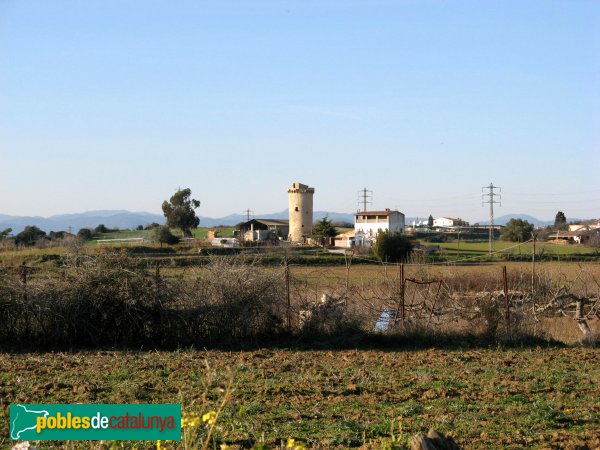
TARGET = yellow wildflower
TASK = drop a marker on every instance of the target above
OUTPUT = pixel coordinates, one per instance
(293, 445)
(225, 447)
(191, 420)
(210, 417)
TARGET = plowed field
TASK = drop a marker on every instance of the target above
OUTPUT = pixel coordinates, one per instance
(484, 398)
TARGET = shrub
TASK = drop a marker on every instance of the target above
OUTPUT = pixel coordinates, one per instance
(101, 229)
(85, 234)
(164, 236)
(239, 300)
(30, 236)
(112, 299)
(517, 230)
(392, 247)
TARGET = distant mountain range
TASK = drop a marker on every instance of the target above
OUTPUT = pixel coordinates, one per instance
(112, 219)
(502, 220)
(123, 219)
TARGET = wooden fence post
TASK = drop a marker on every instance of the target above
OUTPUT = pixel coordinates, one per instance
(533, 269)
(157, 284)
(505, 277)
(23, 270)
(286, 275)
(580, 318)
(402, 286)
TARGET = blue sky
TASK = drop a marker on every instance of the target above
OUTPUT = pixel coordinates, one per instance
(115, 104)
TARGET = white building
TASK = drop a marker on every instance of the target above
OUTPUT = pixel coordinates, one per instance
(585, 227)
(420, 223)
(225, 242)
(368, 224)
(447, 222)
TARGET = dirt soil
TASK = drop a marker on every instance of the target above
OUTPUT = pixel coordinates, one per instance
(545, 398)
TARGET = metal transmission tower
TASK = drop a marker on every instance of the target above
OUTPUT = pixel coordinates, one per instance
(491, 194)
(364, 197)
(247, 212)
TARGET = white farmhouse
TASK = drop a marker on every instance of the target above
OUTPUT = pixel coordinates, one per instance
(368, 224)
(447, 222)
(592, 225)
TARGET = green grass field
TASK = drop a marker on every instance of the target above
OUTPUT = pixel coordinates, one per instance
(476, 248)
(123, 234)
(199, 233)
(202, 233)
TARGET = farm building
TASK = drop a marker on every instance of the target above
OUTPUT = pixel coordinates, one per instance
(580, 236)
(345, 240)
(584, 226)
(263, 229)
(225, 242)
(448, 222)
(368, 224)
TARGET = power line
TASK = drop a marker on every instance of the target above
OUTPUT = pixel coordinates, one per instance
(552, 194)
(364, 197)
(491, 201)
(247, 212)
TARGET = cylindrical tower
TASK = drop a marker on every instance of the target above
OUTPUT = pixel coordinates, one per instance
(300, 201)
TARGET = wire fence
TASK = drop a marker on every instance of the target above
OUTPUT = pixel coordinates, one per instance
(115, 299)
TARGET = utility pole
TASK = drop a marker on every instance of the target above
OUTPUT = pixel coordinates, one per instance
(248, 212)
(533, 266)
(364, 197)
(491, 194)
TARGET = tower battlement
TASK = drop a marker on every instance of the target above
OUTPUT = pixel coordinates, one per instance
(299, 188)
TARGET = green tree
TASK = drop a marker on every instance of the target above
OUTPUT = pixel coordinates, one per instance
(180, 211)
(5, 233)
(163, 235)
(560, 221)
(391, 246)
(430, 221)
(56, 235)
(517, 230)
(101, 229)
(324, 228)
(85, 234)
(29, 236)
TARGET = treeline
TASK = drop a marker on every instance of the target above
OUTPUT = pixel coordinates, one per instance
(31, 235)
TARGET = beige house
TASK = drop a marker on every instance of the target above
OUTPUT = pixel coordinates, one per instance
(345, 240)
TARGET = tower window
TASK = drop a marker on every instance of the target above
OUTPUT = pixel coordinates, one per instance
(297, 209)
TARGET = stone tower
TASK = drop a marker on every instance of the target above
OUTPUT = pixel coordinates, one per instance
(300, 201)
